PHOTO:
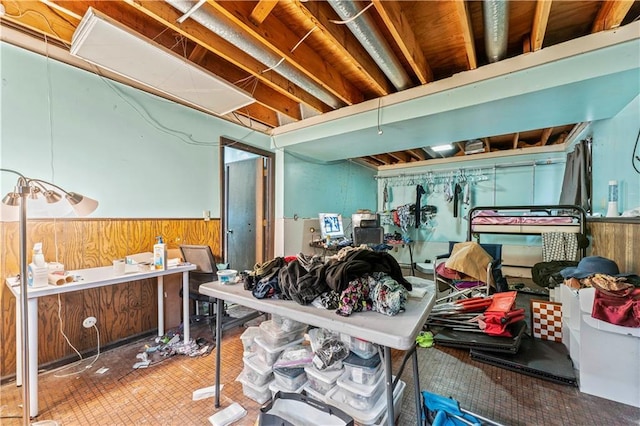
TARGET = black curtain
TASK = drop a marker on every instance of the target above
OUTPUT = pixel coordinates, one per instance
(576, 185)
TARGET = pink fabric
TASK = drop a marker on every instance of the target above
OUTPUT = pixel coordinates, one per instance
(488, 217)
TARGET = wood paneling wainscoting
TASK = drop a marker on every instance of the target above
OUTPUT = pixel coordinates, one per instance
(122, 310)
(617, 239)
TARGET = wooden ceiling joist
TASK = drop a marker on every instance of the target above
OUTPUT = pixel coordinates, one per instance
(39, 17)
(545, 135)
(262, 10)
(278, 39)
(405, 38)
(342, 42)
(611, 14)
(540, 19)
(418, 154)
(260, 113)
(467, 33)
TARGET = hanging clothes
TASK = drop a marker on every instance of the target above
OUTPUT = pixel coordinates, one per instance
(385, 196)
(559, 246)
(456, 199)
(419, 193)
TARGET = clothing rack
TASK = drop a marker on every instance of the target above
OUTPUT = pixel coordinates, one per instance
(460, 174)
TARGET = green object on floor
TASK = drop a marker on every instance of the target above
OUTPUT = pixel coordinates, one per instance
(425, 339)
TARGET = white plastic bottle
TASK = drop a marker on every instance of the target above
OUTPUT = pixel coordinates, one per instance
(159, 255)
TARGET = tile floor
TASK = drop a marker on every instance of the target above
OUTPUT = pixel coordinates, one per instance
(162, 393)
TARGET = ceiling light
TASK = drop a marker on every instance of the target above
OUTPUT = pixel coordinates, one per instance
(442, 148)
(104, 42)
(474, 146)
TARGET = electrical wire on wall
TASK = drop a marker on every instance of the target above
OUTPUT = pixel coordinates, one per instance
(81, 360)
(635, 155)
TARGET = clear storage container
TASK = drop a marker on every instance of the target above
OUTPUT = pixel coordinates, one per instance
(314, 394)
(269, 354)
(322, 381)
(274, 336)
(286, 324)
(275, 388)
(290, 379)
(358, 396)
(362, 348)
(362, 371)
(377, 415)
(259, 394)
(256, 371)
(248, 339)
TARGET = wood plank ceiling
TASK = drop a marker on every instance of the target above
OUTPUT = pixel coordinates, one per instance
(414, 43)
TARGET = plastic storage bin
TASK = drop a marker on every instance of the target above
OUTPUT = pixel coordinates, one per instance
(322, 381)
(248, 339)
(362, 371)
(286, 324)
(274, 388)
(358, 396)
(290, 379)
(269, 354)
(256, 371)
(274, 336)
(311, 392)
(377, 415)
(362, 348)
(259, 394)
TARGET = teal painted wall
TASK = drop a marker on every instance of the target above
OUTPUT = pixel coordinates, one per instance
(138, 154)
(311, 188)
(520, 183)
(613, 153)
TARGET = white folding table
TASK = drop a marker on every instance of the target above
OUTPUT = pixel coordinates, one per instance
(87, 278)
(397, 332)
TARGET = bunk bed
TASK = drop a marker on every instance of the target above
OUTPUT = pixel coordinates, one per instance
(527, 220)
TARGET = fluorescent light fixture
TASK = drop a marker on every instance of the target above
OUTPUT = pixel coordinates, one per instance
(442, 148)
(108, 44)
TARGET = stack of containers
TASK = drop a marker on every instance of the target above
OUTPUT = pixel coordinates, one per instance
(360, 390)
(320, 382)
(262, 347)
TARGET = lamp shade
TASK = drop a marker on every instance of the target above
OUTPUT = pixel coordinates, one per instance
(83, 206)
(9, 213)
(11, 199)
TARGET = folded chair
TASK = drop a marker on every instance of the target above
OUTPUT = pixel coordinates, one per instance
(453, 279)
(443, 411)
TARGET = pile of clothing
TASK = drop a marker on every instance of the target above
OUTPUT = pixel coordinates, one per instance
(617, 296)
(355, 279)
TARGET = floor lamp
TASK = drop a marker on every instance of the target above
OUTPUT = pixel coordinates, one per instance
(14, 207)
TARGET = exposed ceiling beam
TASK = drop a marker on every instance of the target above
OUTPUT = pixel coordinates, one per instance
(400, 156)
(278, 39)
(401, 31)
(167, 15)
(544, 138)
(385, 158)
(540, 19)
(342, 43)
(41, 18)
(516, 136)
(259, 113)
(418, 154)
(466, 31)
(262, 10)
(611, 14)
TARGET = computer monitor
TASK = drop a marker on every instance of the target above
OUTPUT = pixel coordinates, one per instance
(331, 225)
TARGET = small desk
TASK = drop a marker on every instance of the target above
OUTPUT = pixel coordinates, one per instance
(398, 332)
(91, 278)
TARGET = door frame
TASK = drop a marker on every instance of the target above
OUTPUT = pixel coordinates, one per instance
(268, 197)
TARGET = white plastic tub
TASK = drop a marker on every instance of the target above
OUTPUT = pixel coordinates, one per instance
(286, 324)
(362, 371)
(256, 371)
(259, 394)
(322, 381)
(227, 276)
(248, 339)
(290, 379)
(314, 394)
(274, 336)
(362, 348)
(377, 415)
(268, 354)
(275, 388)
(358, 396)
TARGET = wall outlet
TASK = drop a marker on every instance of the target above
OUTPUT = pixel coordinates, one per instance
(89, 322)
(206, 214)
